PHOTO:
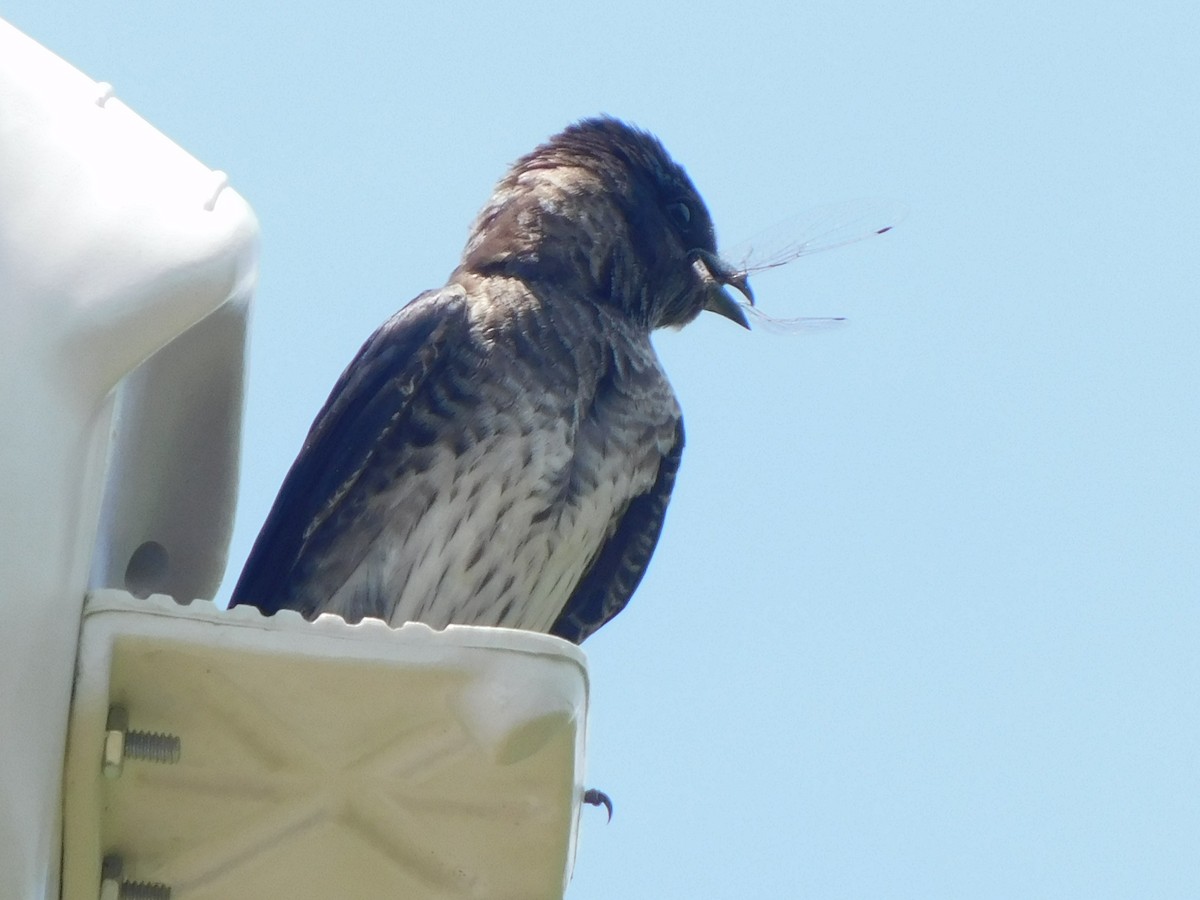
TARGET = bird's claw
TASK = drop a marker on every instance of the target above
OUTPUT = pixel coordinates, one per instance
(593, 797)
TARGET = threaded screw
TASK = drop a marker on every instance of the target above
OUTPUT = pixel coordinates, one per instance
(121, 743)
(152, 746)
(114, 887)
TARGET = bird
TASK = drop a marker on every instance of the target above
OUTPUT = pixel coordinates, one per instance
(502, 450)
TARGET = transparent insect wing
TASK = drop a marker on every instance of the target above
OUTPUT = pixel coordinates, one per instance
(822, 228)
(818, 229)
(773, 325)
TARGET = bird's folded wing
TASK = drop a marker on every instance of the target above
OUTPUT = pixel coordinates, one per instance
(369, 401)
(621, 562)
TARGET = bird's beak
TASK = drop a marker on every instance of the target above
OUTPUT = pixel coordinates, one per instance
(716, 274)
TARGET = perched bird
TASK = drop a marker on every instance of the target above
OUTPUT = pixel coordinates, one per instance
(502, 450)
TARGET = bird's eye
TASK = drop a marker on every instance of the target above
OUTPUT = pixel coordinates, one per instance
(680, 213)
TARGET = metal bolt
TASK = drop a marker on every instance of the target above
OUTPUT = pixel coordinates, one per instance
(114, 887)
(120, 742)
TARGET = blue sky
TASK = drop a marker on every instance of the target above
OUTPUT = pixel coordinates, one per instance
(925, 616)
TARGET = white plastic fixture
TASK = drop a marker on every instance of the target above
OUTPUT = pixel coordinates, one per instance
(316, 759)
(117, 251)
(320, 759)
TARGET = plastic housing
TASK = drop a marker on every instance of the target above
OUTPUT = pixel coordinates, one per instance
(320, 759)
(126, 268)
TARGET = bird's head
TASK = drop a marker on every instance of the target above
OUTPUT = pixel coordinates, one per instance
(602, 209)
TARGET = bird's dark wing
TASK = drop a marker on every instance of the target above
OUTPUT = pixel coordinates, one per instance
(617, 569)
(369, 401)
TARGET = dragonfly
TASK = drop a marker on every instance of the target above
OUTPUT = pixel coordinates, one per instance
(819, 229)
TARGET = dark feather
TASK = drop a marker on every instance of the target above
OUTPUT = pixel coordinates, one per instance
(618, 568)
(368, 401)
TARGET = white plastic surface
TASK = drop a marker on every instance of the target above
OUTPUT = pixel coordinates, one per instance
(114, 244)
(323, 759)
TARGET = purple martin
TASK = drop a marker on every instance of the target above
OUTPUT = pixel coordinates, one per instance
(502, 450)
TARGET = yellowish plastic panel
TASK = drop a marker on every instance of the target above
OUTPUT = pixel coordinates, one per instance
(323, 759)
